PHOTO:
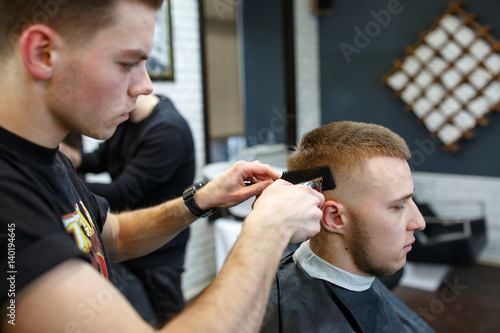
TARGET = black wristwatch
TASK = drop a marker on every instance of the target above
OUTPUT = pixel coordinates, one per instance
(188, 196)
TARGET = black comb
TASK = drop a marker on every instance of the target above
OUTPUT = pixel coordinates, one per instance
(305, 175)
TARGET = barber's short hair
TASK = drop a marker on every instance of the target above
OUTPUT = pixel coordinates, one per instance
(76, 19)
(345, 146)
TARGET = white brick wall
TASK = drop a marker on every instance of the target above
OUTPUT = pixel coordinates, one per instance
(187, 95)
(434, 186)
(186, 92)
(307, 64)
(186, 89)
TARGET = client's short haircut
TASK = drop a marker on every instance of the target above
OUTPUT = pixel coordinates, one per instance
(346, 146)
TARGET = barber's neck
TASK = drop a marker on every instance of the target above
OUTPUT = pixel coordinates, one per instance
(23, 110)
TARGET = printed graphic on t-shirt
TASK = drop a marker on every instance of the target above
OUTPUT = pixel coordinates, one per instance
(80, 225)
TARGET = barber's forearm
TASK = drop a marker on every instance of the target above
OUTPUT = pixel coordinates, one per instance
(237, 298)
(134, 234)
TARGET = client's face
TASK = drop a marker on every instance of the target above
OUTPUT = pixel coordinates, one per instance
(382, 229)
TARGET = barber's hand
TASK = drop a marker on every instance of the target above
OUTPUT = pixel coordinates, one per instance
(294, 209)
(229, 188)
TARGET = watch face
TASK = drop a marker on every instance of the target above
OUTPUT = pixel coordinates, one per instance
(198, 185)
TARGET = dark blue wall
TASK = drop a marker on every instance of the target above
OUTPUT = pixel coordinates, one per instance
(352, 89)
(263, 72)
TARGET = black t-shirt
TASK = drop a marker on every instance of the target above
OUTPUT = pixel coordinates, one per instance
(46, 215)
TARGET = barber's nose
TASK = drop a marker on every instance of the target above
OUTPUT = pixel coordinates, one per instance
(141, 84)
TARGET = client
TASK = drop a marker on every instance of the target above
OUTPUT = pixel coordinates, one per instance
(329, 284)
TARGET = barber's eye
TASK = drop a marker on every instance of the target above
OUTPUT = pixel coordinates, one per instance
(398, 207)
(129, 65)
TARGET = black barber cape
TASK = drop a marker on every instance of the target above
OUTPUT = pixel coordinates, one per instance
(314, 305)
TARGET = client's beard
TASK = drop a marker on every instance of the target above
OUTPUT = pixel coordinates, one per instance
(361, 252)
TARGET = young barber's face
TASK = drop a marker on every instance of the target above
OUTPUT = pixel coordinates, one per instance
(383, 229)
(97, 84)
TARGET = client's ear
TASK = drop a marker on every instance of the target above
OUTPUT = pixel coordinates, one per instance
(333, 219)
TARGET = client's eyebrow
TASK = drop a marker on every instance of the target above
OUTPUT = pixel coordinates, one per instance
(405, 197)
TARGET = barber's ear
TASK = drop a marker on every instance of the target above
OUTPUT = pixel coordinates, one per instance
(333, 217)
(38, 44)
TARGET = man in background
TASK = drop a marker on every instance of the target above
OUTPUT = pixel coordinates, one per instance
(150, 159)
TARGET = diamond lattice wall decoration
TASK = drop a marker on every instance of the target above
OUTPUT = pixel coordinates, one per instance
(450, 77)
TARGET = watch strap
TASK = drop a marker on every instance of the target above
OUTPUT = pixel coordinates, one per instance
(190, 202)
